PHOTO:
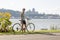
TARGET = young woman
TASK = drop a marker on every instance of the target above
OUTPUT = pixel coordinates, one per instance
(23, 22)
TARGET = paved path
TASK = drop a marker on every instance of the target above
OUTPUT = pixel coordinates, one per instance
(55, 36)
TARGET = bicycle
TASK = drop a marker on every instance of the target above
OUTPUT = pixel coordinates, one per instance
(17, 27)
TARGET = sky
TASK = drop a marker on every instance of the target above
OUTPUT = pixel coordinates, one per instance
(47, 6)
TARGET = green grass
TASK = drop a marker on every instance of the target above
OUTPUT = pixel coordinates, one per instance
(35, 32)
(50, 31)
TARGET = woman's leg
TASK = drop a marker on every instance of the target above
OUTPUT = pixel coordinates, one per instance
(24, 27)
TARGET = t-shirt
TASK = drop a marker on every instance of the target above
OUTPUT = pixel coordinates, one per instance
(22, 16)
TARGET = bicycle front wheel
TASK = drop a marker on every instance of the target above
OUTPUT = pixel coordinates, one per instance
(16, 27)
(30, 27)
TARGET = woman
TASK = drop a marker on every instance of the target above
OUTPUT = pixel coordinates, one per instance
(23, 22)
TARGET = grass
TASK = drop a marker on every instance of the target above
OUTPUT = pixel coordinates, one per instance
(49, 31)
(35, 32)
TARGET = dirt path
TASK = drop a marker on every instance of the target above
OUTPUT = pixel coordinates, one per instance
(55, 36)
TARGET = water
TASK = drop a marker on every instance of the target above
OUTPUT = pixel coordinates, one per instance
(41, 23)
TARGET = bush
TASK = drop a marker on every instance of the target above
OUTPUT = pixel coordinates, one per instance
(5, 22)
(53, 27)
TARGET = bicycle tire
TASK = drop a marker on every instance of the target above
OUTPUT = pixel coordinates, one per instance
(29, 26)
(18, 27)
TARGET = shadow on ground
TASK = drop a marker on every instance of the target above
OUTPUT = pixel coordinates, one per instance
(44, 33)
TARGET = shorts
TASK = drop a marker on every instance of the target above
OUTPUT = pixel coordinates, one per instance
(23, 22)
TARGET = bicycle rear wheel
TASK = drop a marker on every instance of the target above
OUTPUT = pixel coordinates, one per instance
(30, 27)
(16, 27)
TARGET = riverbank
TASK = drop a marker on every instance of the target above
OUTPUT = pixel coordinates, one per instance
(35, 32)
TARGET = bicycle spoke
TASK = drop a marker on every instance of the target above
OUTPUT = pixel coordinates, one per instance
(30, 27)
(16, 27)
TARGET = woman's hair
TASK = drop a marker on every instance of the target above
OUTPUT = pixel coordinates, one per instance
(23, 9)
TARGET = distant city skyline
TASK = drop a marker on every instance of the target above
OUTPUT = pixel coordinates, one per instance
(47, 6)
(31, 14)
